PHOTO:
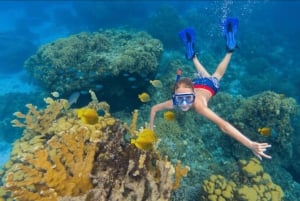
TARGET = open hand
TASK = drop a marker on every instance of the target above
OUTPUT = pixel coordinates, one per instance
(259, 148)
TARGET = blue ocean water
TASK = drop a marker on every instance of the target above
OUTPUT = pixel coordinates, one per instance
(268, 40)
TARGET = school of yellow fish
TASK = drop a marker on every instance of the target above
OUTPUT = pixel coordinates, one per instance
(145, 97)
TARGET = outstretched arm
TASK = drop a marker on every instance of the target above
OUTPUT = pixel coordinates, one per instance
(257, 148)
(161, 106)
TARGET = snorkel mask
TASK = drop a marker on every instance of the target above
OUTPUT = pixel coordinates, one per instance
(183, 100)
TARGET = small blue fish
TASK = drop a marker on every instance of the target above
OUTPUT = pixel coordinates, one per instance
(98, 86)
(84, 92)
(131, 79)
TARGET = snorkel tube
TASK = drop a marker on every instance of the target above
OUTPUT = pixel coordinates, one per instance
(178, 75)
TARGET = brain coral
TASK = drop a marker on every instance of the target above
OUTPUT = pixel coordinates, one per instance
(85, 60)
(250, 183)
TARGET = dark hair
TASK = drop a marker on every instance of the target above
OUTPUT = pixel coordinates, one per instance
(185, 82)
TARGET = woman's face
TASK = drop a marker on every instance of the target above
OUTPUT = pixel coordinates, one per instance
(184, 98)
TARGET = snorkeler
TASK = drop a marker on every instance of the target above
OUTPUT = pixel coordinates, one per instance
(196, 93)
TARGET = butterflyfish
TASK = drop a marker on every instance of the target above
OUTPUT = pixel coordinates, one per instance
(169, 115)
(145, 139)
(156, 83)
(144, 97)
(87, 115)
(265, 131)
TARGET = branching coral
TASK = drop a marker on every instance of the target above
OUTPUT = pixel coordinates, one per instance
(55, 156)
(142, 177)
(96, 105)
(131, 173)
(39, 121)
(133, 124)
(62, 168)
(179, 173)
(70, 159)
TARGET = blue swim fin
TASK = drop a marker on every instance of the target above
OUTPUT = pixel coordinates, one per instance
(230, 28)
(188, 38)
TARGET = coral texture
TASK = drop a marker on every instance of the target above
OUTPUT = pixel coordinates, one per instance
(268, 109)
(82, 61)
(251, 183)
(62, 168)
(70, 160)
(55, 155)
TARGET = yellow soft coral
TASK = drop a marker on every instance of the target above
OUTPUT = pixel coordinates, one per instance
(62, 168)
(40, 121)
(179, 173)
(58, 160)
(133, 124)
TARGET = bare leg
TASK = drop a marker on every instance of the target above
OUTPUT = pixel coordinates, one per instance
(222, 66)
(199, 67)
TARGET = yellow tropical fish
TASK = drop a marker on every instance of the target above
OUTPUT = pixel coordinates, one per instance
(169, 115)
(156, 83)
(265, 131)
(145, 139)
(144, 97)
(87, 115)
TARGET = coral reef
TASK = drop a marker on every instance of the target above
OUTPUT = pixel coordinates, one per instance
(201, 145)
(179, 172)
(8, 105)
(132, 129)
(82, 61)
(68, 159)
(62, 168)
(268, 109)
(251, 183)
(38, 122)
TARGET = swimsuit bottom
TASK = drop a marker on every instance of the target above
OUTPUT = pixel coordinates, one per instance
(209, 83)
